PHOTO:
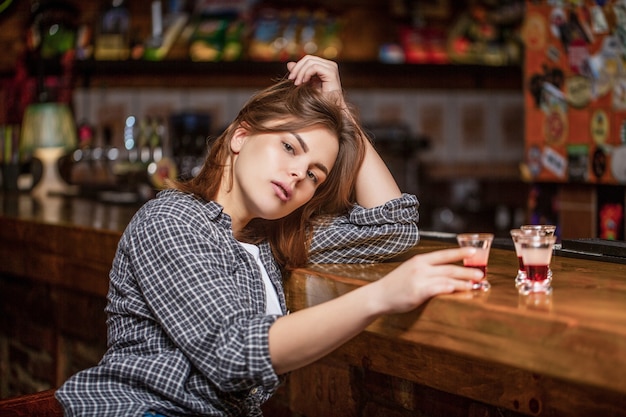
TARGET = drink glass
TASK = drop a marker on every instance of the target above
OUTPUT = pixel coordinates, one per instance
(482, 242)
(546, 229)
(516, 235)
(542, 229)
(536, 255)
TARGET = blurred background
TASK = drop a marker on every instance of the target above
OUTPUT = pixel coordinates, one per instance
(439, 85)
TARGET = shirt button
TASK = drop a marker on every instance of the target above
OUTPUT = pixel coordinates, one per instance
(253, 391)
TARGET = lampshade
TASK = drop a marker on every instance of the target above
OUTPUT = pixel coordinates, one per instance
(48, 133)
(47, 125)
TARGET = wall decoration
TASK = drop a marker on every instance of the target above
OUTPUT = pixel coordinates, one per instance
(575, 91)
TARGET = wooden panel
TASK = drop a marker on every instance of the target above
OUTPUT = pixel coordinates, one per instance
(66, 247)
(577, 211)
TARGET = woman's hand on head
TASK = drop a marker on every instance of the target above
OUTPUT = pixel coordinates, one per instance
(305, 70)
(424, 276)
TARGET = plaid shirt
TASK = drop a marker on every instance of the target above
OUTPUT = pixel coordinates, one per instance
(187, 329)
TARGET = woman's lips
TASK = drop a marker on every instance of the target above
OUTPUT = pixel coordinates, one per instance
(282, 191)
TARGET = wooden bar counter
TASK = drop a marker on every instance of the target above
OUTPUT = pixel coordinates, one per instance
(488, 354)
(558, 355)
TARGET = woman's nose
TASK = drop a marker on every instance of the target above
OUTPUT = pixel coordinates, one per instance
(297, 173)
(298, 170)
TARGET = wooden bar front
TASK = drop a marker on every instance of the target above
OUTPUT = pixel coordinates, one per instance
(491, 354)
(562, 355)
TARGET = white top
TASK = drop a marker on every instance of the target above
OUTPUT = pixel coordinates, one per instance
(272, 305)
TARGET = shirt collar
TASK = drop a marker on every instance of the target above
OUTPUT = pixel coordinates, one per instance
(212, 209)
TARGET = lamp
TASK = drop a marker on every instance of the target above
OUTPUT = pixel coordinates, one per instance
(48, 133)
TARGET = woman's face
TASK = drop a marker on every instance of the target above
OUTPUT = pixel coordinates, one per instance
(275, 173)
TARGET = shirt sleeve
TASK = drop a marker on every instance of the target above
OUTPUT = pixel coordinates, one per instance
(201, 295)
(367, 235)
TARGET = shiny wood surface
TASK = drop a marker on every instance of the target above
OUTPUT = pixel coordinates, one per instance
(563, 354)
(62, 211)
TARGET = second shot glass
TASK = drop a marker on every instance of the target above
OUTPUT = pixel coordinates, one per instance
(537, 255)
(517, 235)
(543, 230)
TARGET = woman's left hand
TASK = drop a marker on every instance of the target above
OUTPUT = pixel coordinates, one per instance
(309, 66)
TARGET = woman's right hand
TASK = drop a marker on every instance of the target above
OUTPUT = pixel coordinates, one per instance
(310, 66)
(306, 335)
(424, 276)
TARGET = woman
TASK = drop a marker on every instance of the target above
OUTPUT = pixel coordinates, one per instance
(197, 318)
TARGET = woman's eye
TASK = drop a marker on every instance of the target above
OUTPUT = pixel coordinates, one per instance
(312, 176)
(288, 147)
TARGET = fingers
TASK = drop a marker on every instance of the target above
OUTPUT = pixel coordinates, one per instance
(309, 66)
(445, 256)
(459, 272)
(442, 263)
(425, 276)
(448, 286)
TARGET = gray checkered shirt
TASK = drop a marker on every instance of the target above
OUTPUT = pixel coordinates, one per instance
(187, 329)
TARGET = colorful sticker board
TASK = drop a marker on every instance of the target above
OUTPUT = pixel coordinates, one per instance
(575, 91)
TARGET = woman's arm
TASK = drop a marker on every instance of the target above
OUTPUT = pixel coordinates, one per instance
(375, 185)
(302, 337)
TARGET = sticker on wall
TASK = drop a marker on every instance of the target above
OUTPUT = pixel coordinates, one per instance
(602, 84)
(555, 127)
(553, 53)
(611, 215)
(599, 127)
(598, 163)
(533, 159)
(618, 164)
(578, 91)
(552, 99)
(558, 21)
(599, 24)
(577, 162)
(554, 162)
(611, 50)
(619, 94)
(620, 16)
(605, 67)
(534, 31)
(551, 76)
(577, 56)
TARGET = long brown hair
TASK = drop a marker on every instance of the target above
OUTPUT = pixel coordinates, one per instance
(296, 107)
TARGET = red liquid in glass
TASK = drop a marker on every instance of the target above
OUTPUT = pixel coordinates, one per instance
(520, 260)
(537, 273)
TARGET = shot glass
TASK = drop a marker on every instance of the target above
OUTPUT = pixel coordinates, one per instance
(516, 235)
(546, 229)
(482, 242)
(542, 229)
(536, 255)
